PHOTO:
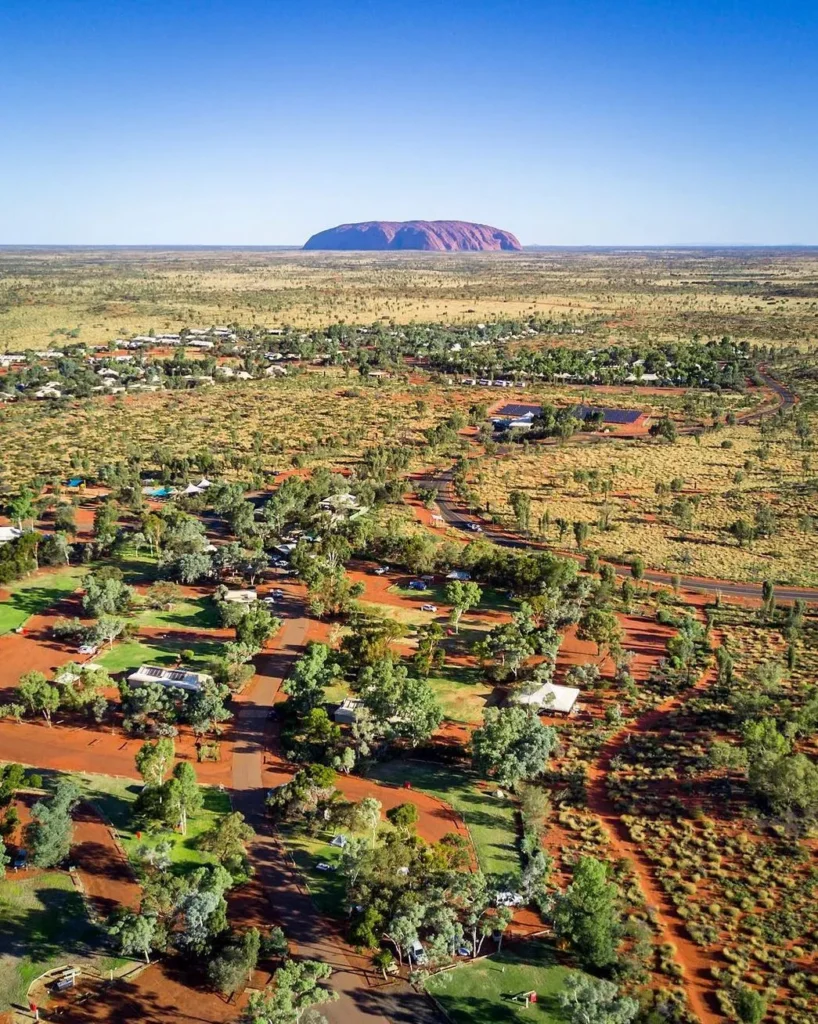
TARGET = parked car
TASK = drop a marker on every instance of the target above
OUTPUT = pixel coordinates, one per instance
(20, 860)
(269, 599)
(382, 570)
(474, 527)
(276, 592)
(323, 866)
(280, 563)
(418, 585)
(428, 607)
(89, 649)
(418, 953)
(463, 951)
(509, 899)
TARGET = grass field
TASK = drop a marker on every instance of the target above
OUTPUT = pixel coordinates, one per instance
(197, 613)
(490, 820)
(130, 654)
(115, 797)
(484, 992)
(726, 475)
(462, 693)
(48, 296)
(35, 594)
(326, 887)
(42, 924)
(324, 418)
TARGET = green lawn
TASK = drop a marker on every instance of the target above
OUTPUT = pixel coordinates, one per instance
(435, 593)
(462, 693)
(483, 992)
(491, 820)
(42, 924)
(326, 887)
(130, 654)
(184, 854)
(115, 798)
(37, 593)
(198, 613)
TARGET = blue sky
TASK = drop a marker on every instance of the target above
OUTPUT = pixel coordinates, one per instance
(249, 122)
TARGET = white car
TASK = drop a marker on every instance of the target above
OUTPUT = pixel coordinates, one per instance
(428, 607)
(269, 600)
(382, 570)
(474, 527)
(509, 899)
(323, 866)
(89, 649)
(276, 592)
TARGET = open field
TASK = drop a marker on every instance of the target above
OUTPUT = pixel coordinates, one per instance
(95, 295)
(128, 655)
(256, 425)
(44, 924)
(35, 594)
(484, 992)
(490, 819)
(721, 477)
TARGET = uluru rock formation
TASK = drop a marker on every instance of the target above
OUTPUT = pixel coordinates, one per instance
(429, 235)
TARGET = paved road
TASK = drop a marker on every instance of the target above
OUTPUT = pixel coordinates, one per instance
(277, 891)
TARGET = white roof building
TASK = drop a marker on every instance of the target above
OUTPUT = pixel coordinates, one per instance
(241, 596)
(8, 533)
(347, 711)
(183, 679)
(549, 698)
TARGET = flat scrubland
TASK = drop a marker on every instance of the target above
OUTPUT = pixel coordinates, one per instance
(98, 294)
(323, 418)
(718, 478)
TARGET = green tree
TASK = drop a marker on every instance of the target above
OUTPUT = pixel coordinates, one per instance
(602, 628)
(38, 694)
(230, 969)
(750, 1005)
(520, 502)
(227, 840)
(512, 745)
(310, 675)
(296, 990)
(48, 836)
(462, 596)
(153, 760)
(183, 795)
(588, 913)
(134, 932)
(588, 1000)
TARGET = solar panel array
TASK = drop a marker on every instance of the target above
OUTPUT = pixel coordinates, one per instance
(518, 409)
(621, 416)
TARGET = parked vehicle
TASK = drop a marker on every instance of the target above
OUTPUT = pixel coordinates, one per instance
(417, 953)
(428, 607)
(418, 585)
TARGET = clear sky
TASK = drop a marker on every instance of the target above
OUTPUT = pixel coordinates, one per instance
(262, 121)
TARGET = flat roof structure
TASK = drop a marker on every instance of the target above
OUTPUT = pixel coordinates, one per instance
(181, 678)
(550, 697)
